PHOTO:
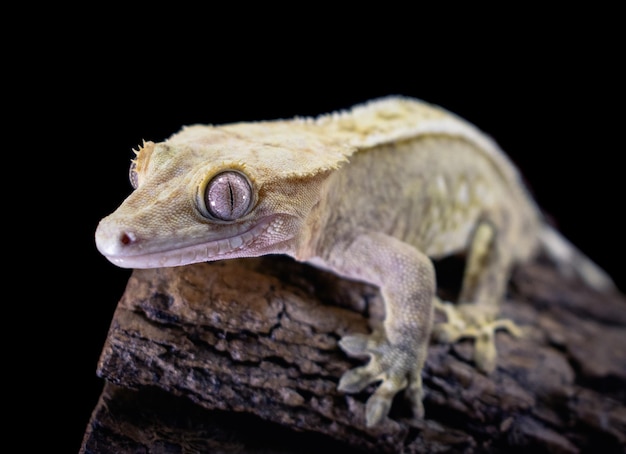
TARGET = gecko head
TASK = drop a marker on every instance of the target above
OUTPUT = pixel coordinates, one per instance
(195, 202)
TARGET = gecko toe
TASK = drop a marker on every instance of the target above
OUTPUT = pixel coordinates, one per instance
(396, 367)
(376, 409)
(465, 323)
(379, 403)
(359, 378)
(355, 345)
(447, 333)
(485, 354)
(415, 394)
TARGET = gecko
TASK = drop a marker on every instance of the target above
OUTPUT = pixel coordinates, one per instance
(374, 193)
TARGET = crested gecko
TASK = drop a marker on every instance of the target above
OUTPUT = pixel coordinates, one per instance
(373, 194)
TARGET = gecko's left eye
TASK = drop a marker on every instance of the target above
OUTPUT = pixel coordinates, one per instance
(132, 174)
(228, 196)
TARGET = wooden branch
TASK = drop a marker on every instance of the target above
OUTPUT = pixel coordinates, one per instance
(239, 345)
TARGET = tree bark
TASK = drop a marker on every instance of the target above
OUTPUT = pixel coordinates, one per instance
(242, 356)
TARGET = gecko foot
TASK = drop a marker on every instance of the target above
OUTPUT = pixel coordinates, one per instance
(396, 366)
(467, 320)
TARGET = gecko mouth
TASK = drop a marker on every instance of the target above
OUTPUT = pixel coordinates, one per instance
(238, 245)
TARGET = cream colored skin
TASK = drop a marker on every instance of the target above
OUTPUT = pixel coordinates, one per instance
(371, 194)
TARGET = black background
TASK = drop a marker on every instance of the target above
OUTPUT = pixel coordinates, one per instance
(548, 89)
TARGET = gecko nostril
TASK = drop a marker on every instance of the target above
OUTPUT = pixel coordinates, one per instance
(127, 238)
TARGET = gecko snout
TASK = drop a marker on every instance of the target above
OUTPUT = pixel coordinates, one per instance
(115, 242)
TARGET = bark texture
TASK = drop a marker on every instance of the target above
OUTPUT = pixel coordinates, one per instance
(242, 356)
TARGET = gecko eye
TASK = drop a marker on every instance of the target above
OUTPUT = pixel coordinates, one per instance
(132, 174)
(228, 196)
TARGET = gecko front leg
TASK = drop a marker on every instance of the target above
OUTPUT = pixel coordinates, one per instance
(398, 349)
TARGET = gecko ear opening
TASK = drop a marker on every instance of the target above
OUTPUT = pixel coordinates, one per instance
(228, 196)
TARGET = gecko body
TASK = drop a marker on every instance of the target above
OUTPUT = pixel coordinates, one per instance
(373, 194)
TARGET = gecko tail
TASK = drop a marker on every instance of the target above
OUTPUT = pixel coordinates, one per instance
(572, 263)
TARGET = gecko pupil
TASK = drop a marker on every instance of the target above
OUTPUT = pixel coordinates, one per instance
(232, 197)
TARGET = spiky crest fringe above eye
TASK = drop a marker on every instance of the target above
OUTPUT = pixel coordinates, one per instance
(142, 155)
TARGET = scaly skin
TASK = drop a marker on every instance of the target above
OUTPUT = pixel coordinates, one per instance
(371, 194)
